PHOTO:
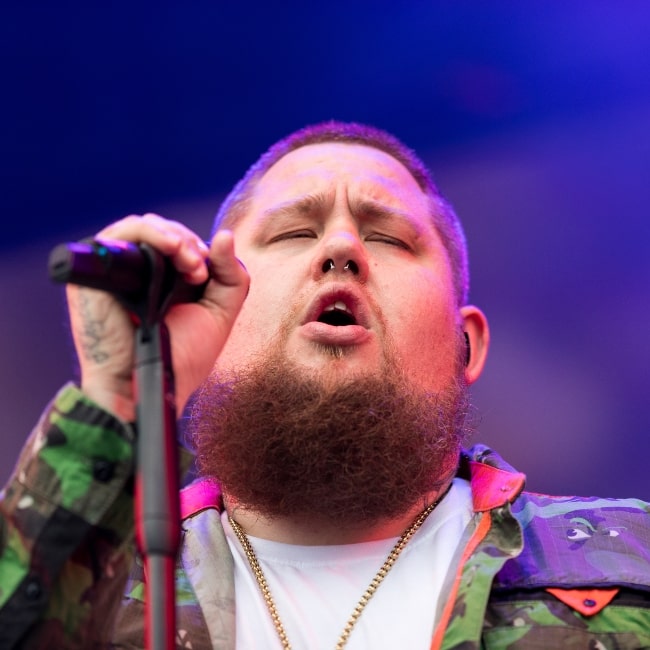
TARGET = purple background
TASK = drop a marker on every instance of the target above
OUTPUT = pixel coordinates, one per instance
(535, 118)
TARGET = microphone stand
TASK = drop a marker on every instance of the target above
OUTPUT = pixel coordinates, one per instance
(157, 511)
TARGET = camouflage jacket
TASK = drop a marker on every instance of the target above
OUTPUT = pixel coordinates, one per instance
(533, 571)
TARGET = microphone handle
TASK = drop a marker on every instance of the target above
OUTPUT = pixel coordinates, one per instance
(121, 268)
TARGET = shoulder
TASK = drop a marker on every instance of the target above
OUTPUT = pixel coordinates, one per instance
(580, 541)
(565, 540)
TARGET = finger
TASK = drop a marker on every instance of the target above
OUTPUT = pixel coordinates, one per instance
(186, 250)
(229, 283)
(163, 234)
(226, 268)
(211, 318)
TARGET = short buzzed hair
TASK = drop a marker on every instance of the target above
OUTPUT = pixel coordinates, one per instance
(443, 215)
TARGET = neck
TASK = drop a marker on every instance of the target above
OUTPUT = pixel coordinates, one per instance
(315, 532)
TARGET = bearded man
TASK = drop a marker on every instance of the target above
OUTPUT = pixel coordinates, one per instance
(327, 398)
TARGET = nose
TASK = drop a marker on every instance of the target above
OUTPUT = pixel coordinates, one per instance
(342, 253)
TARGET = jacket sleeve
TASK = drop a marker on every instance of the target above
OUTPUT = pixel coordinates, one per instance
(66, 528)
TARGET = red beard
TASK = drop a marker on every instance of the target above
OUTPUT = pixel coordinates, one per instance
(286, 445)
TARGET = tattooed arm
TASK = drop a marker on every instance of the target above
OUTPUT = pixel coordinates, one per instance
(103, 331)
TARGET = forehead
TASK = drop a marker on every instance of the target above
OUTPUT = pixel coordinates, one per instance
(359, 170)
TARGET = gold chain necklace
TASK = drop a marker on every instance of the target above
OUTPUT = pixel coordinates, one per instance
(366, 596)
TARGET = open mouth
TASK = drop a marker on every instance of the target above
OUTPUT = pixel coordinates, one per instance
(337, 314)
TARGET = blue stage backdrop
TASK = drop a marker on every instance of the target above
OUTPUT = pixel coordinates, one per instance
(534, 117)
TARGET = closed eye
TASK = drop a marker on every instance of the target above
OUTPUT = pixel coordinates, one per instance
(294, 234)
(391, 241)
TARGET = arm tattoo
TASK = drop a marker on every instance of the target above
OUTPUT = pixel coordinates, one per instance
(91, 333)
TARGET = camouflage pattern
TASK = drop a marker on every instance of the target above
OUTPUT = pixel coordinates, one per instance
(537, 543)
(66, 529)
(533, 571)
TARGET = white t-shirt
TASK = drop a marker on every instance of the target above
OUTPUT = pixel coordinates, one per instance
(315, 588)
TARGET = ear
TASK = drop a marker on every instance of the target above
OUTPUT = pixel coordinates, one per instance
(476, 328)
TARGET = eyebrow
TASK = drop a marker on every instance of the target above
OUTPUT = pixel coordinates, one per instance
(367, 208)
(303, 205)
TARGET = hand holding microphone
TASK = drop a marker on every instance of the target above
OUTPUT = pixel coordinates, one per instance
(209, 287)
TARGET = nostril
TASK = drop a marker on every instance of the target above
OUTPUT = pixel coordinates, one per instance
(351, 266)
(328, 265)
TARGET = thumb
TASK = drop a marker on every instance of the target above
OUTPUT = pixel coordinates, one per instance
(229, 281)
(200, 330)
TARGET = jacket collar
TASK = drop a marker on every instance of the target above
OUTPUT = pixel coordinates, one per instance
(494, 482)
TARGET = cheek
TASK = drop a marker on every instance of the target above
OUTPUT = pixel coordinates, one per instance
(426, 331)
(269, 299)
(249, 331)
(276, 284)
(424, 305)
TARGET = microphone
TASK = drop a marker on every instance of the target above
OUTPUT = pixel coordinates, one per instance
(122, 268)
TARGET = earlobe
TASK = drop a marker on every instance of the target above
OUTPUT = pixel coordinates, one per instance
(477, 338)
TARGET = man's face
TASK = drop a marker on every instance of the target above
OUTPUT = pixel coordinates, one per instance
(318, 210)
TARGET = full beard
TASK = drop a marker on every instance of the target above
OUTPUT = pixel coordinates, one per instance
(286, 444)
